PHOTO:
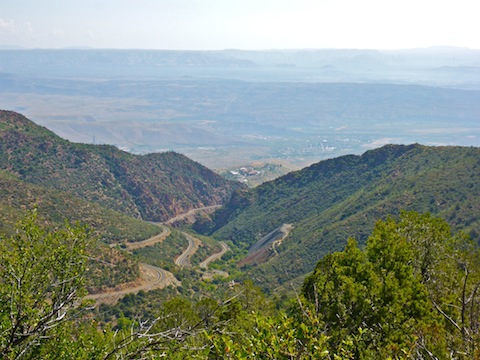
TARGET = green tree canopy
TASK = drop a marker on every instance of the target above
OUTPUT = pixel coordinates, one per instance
(41, 277)
(413, 291)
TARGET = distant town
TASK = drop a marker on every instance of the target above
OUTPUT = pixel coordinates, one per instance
(257, 173)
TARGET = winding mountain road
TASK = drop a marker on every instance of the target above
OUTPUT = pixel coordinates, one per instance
(205, 209)
(225, 248)
(148, 242)
(184, 259)
(151, 277)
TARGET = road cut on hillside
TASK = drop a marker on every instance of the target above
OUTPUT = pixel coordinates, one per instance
(192, 213)
(148, 242)
(151, 277)
(193, 244)
(216, 256)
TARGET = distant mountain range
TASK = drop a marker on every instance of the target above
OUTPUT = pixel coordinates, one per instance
(412, 66)
(81, 182)
(343, 197)
(228, 108)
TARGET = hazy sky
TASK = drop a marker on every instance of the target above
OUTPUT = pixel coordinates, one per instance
(240, 24)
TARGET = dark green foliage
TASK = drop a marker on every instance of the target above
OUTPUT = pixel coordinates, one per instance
(374, 292)
(154, 187)
(409, 290)
(274, 337)
(411, 293)
(334, 199)
(449, 267)
(163, 254)
(109, 267)
(42, 279)
(55, 206)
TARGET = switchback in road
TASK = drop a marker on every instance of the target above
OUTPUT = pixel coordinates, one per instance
(216, 256)
(193, 244)
(151, 277)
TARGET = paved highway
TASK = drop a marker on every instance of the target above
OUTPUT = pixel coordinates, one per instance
(216, 256)
(184, 259)
(152, 277)
(153, 240)
(205, 209)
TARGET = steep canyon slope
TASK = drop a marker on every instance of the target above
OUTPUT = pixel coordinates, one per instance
(342, 197)
(153, 187)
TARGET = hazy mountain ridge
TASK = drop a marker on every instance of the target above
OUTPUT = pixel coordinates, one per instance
(337, 198)
(152, 187)
(210, 120)
(375, 64)
(296, 106)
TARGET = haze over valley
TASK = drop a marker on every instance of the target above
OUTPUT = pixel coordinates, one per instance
(230, 108)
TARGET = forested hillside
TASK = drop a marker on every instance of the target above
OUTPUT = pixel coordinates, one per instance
(110, 192)
(411, 293)
(54, 207)
(382, 277)
(153, 187)
(337, 198)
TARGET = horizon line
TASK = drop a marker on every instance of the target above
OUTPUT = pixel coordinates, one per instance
(85, 48)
